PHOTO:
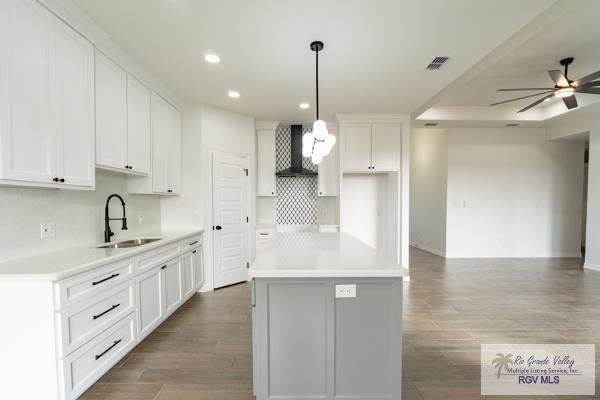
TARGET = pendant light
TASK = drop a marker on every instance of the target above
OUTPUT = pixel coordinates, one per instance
(318, 143)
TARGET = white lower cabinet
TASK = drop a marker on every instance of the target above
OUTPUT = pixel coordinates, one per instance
(172, 271)
(191, 269)
(151, 310)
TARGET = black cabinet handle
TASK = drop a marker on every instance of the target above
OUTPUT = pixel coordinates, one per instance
(169, 191)
(194, 242)
(107, 311)
(272, 192)
(218, 227)
(105, 279)
(62, 180)
(194, 252)
(163, 267)
(109, 349)
(55, 179)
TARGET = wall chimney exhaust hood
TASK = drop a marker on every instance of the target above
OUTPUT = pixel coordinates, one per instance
(296, 168)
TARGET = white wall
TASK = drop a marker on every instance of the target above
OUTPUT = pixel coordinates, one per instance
(512, 193)
(428, 169)
(205, 130)
(78, 215)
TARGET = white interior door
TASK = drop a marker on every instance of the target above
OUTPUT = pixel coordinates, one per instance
(230, 219)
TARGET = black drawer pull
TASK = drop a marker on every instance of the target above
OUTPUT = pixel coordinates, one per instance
(109, 349)
(107, 311)
(105, 279)
(263, 234)
(194, 242)
(163, 267)
(194, 252)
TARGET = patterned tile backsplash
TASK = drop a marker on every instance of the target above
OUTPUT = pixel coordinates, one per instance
(296, 197)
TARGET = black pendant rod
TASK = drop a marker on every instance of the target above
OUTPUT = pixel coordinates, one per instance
(317, 75)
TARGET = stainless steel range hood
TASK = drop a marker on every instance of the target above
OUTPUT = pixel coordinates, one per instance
(296, 168)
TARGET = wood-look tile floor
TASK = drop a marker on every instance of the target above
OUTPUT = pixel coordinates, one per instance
(204, 350)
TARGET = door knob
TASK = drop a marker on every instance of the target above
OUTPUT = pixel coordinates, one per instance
(218, 227)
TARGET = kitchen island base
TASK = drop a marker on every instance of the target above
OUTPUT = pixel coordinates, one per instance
(310, 344)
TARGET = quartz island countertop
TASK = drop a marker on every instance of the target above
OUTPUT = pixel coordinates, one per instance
(65, 263)
(318, 255)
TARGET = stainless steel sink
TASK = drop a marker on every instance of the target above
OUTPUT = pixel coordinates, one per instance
(128, 243)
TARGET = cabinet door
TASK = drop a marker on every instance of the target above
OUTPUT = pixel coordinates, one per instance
(138, 126)
(111, 114)
(386, 147)
(198, 269)
(174, 164)
(27, 99)
(187, 274)
(265, 143)
(357, 146)
(151, 307)
(173, 295)
(328, 174)
(75, 118)
(160, 144)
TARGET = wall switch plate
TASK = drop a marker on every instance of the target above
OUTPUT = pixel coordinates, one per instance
(345, 291)
(47, 230)
(140, 219)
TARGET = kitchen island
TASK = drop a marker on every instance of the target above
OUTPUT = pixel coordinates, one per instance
(327, 319)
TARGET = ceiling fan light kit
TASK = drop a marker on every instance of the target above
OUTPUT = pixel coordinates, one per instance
(564, 88)
(318, 143)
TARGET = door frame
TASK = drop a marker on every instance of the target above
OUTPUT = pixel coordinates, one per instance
(210, 220)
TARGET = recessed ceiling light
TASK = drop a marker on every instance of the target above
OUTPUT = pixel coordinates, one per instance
(233, 94)
(212, 58)
(304, 106)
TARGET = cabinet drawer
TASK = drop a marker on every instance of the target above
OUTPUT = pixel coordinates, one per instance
(86, 365)
(154, 257)
(80, 323)
(90, 284)
(191, 243)
(264, 233)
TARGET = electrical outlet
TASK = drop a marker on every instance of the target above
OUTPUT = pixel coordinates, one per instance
(345, 291)
(47, 230)
(140, 219)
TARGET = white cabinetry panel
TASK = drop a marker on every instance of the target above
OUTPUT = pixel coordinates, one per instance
(111, 114)
(266, 180)
(328, 173)
(386, 146)
(138, 126)
(357, 146)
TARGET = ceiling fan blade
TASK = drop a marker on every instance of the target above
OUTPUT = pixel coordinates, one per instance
(517, 89)
(535, 103)
(587, 89)
(520, 98)
(570, 102)
(586, 79)
(558, 77)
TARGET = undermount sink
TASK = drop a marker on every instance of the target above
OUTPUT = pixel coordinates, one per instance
(128, 243)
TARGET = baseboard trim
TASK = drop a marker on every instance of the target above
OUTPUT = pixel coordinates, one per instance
(591, 267)
(428, 249)
(555, 255)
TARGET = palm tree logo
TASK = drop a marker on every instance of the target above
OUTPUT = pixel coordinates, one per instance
(502, 361)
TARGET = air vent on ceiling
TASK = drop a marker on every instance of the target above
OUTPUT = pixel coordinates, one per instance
(437, 63)
(431, 123)
(512, 124)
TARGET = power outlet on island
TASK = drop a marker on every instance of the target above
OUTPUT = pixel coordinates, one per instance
(345, 291)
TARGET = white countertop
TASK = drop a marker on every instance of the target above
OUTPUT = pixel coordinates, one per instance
(320, 255)
(65, 263)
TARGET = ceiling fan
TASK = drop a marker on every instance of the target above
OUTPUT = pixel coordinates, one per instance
(564, 87)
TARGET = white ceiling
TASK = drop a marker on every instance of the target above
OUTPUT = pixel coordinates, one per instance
(575, 34)
(373, 61)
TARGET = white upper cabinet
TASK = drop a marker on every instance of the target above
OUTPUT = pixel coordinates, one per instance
(386, 146)
(46, 115)
(266, 180)
(138, 126)
(371, 146)
(111, 114)
(75, 86)
(27, 104)
(165, 125)
(328, 173)
(357, 146)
